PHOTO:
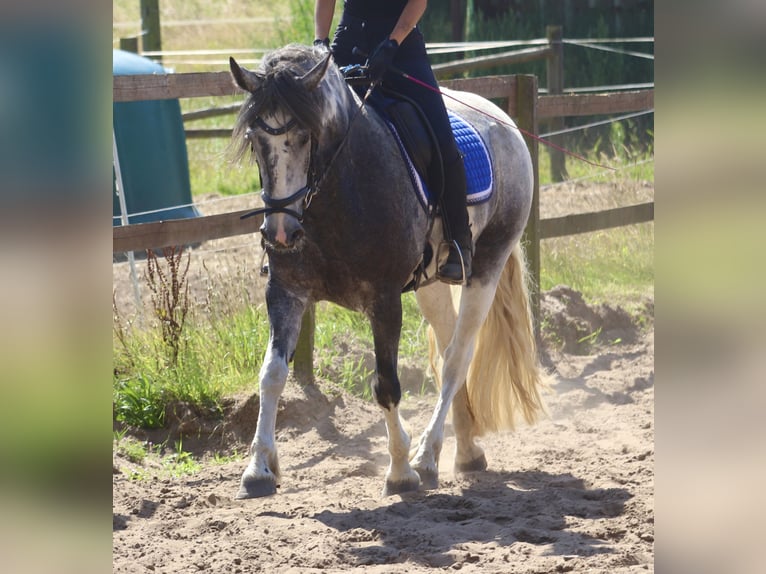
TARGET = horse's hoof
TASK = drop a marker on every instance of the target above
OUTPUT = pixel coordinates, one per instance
(429, 479)
(256, 488)
(477, 464)
(400, 487)
(408, 484)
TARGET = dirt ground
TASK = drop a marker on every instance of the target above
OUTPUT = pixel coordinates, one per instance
(574, 493)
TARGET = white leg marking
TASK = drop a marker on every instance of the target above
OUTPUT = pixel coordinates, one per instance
(264, 464)
(400, 477)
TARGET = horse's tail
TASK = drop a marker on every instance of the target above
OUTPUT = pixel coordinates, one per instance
(505, 377)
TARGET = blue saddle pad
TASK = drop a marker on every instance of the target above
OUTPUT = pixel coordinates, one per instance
(478, 167)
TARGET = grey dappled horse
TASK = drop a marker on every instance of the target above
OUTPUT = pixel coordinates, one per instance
(343, 224)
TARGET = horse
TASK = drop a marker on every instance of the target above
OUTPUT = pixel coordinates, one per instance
(342, 223)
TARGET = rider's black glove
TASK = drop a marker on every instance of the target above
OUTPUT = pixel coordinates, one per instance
(325, 42)
(381, 59)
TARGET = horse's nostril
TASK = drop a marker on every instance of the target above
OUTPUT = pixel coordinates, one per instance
(283, 234)
(268, 233)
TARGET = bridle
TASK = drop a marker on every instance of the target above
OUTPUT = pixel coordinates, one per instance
(307, 192)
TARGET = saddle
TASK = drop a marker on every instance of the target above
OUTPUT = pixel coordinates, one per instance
(418, 145)
(419, 149)
(416, 141)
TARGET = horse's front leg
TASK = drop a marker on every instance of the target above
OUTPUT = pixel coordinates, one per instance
(261, 477)
(386, 321)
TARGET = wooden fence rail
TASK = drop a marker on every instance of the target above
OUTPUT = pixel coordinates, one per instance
(498, 87)
(156, 234)
(172, 86)
(521, 102)
(594, 104)
(596, 221)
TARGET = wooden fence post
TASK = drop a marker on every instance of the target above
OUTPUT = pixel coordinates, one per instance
(151, 40)
(555, 80)
(303, 361)
(129, 44)
(458, 16)
(526, 118)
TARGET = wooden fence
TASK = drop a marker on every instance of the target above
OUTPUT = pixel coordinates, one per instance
(522, 102)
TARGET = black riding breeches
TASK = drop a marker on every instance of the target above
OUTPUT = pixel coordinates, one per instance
(411, 58)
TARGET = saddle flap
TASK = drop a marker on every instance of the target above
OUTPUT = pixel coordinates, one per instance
(418, 146)
(415, 134)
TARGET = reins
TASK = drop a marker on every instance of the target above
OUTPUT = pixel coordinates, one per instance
(339, 149)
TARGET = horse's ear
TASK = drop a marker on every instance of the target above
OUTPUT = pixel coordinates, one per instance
(311, 79)
(245, 79)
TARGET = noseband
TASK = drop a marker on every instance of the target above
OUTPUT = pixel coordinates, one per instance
(306, 193)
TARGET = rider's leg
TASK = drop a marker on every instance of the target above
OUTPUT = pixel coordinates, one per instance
(457, 267)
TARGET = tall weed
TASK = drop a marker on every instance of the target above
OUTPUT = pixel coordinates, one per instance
(217, 352)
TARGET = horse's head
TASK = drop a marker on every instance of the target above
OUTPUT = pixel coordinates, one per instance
(281, 123)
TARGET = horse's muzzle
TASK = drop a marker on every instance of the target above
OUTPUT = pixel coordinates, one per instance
(282, 232)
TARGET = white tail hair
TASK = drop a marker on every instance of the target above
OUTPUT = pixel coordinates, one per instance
(505, 377)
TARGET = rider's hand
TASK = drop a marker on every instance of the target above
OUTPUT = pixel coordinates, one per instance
(381, 59)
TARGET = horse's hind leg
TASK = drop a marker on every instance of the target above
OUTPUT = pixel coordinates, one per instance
(261, 477)
(474, 306)
(469, 456)
(436, 304)
(386, 321)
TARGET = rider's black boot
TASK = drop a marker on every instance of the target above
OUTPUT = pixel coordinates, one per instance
(457, 268)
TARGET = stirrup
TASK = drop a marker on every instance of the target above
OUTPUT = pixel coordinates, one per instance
(464, 279)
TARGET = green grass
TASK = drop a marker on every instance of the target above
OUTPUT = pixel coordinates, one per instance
(221, 459)
(179, 462)
(175, 462)
(613, 265)
(337, 332)
(220, 29)
(211, 165)
(219, 354)
(341, 334)
(622, 142)
(132, 449)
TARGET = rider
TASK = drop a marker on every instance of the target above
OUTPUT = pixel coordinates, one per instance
(387, 29)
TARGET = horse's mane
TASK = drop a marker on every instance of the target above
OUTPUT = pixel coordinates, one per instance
(281, 90)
